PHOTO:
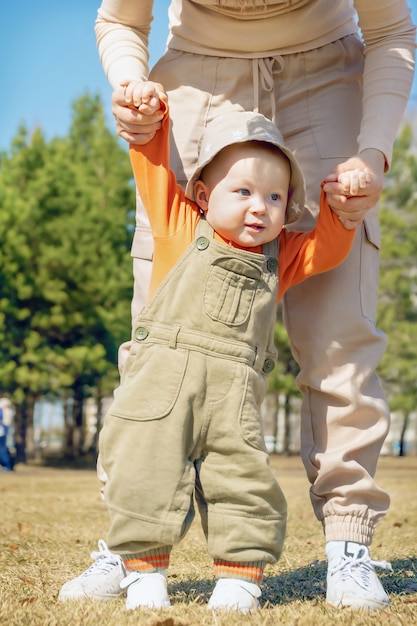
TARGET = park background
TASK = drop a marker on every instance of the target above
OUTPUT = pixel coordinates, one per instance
(51, 129)
(53, 86)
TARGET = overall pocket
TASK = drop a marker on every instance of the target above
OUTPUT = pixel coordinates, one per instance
(230, 290)
(151, 383)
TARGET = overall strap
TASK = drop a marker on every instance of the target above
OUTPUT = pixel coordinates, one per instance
(271, 248)
(204, 229)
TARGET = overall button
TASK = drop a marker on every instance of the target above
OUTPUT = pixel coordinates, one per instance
(269, 365)
(202, 243)
(141, 333)
(272, 265)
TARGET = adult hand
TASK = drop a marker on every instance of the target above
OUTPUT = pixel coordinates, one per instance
(354, 208)
(131, 125)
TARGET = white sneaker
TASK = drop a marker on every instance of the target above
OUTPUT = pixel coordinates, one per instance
(352, 581)
(232, 594)
(101, 581)
(148, 590)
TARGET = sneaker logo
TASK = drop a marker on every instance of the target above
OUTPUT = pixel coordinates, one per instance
(347, 553)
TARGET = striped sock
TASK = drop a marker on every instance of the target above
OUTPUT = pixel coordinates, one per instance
(250, 572)
(149, 562)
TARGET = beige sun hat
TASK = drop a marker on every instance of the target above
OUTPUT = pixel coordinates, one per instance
(240, 126)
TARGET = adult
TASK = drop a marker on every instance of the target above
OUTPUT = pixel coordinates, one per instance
(335, 78)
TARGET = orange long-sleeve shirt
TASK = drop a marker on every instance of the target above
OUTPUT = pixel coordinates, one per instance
(174, 218)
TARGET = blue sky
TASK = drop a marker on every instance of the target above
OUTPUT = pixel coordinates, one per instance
(49, 58)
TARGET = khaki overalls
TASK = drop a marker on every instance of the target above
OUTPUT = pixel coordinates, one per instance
(185, 418)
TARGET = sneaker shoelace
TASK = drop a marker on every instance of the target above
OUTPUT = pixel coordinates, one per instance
(104, 560)
(360, 566)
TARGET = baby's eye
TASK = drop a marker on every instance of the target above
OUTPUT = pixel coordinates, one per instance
(275, 196)
(243, 192)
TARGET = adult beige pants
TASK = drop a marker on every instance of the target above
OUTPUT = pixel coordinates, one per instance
(315, 99)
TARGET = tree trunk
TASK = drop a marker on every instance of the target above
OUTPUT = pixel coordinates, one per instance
(23, 429)
(78, 419)
(287, 424)
(403, 431)
(99, 414)
(68, 439)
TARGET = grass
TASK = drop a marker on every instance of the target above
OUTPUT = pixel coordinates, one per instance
(52, 518)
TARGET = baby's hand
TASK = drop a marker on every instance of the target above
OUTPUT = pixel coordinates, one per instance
(145, 97)
(354, 181)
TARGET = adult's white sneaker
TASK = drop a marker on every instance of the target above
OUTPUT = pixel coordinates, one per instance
(101, 581)
(232, 594)
(147, 590)
(352, 580)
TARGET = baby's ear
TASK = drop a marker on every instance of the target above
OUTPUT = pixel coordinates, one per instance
(201, 195)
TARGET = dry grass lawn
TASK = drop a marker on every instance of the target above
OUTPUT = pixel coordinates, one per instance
(51, 520)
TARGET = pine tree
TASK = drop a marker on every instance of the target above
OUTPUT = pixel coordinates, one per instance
(67, 219)
(398, 282)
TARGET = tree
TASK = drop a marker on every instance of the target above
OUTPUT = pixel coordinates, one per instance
(65, 277)
(282, 383)
(398, 287)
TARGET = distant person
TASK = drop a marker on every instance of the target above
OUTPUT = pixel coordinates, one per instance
(186, 417)
(5, 456)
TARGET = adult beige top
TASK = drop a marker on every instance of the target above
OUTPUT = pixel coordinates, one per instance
(263, 28)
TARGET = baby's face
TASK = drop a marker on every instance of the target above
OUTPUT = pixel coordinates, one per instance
(245, 192)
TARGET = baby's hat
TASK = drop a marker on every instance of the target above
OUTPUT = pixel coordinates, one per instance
(240, 126)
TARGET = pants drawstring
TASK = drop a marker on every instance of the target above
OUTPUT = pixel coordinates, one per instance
(263, 69)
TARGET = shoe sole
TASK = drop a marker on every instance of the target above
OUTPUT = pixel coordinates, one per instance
(83, 596)
(354, 605)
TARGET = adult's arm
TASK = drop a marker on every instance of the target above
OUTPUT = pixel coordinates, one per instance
(389, 37)
(122, 31)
